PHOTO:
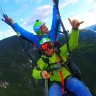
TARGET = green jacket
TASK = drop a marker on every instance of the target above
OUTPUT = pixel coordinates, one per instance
(55, 76)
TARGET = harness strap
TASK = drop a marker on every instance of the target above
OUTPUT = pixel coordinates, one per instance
(62, 78)
(61, 73)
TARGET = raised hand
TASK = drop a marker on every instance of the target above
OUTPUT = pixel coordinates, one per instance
(75, 23)
(8, 20)
(56, 1)
(45, 75)
(11, 20)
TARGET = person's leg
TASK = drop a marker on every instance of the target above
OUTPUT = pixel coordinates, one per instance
(55, 90)
(77, 87)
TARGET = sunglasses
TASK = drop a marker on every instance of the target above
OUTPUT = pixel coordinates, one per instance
(46, 46)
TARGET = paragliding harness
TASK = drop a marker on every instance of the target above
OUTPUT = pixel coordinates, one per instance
(70, 65)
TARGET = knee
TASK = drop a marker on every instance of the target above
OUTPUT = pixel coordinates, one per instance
(55, 90)
(74, 84)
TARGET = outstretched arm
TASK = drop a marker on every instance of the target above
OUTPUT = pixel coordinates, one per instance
(54, 25)
(24, 33)
(73, 41)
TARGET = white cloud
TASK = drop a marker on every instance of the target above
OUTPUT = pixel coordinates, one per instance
(46, 9)
(0, 37)
(42, 13)
(89, 18)
(6, 33)
(45, 20)
(66, 2)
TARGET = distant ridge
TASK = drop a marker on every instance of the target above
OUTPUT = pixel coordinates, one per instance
(92, 27)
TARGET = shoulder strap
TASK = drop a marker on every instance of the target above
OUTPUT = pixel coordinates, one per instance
(46, 60)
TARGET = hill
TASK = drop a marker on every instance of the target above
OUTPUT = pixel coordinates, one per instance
(92, 27)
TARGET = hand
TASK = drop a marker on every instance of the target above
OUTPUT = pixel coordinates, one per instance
(55, 1)
(45, 75)
(75, 23)
(7, 20)
(11, 20)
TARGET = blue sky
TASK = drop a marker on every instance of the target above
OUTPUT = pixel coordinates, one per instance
(25, 12)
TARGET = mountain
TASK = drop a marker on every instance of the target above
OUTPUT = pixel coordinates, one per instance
(84, 35)
(16, 68)
(84, 56)
(87, 34)
(92, 27)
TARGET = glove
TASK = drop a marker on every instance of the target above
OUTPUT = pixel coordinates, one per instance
(7, 20)
(56, 2)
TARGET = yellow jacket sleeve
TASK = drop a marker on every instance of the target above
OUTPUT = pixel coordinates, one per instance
(73, 42)
(36, 73)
